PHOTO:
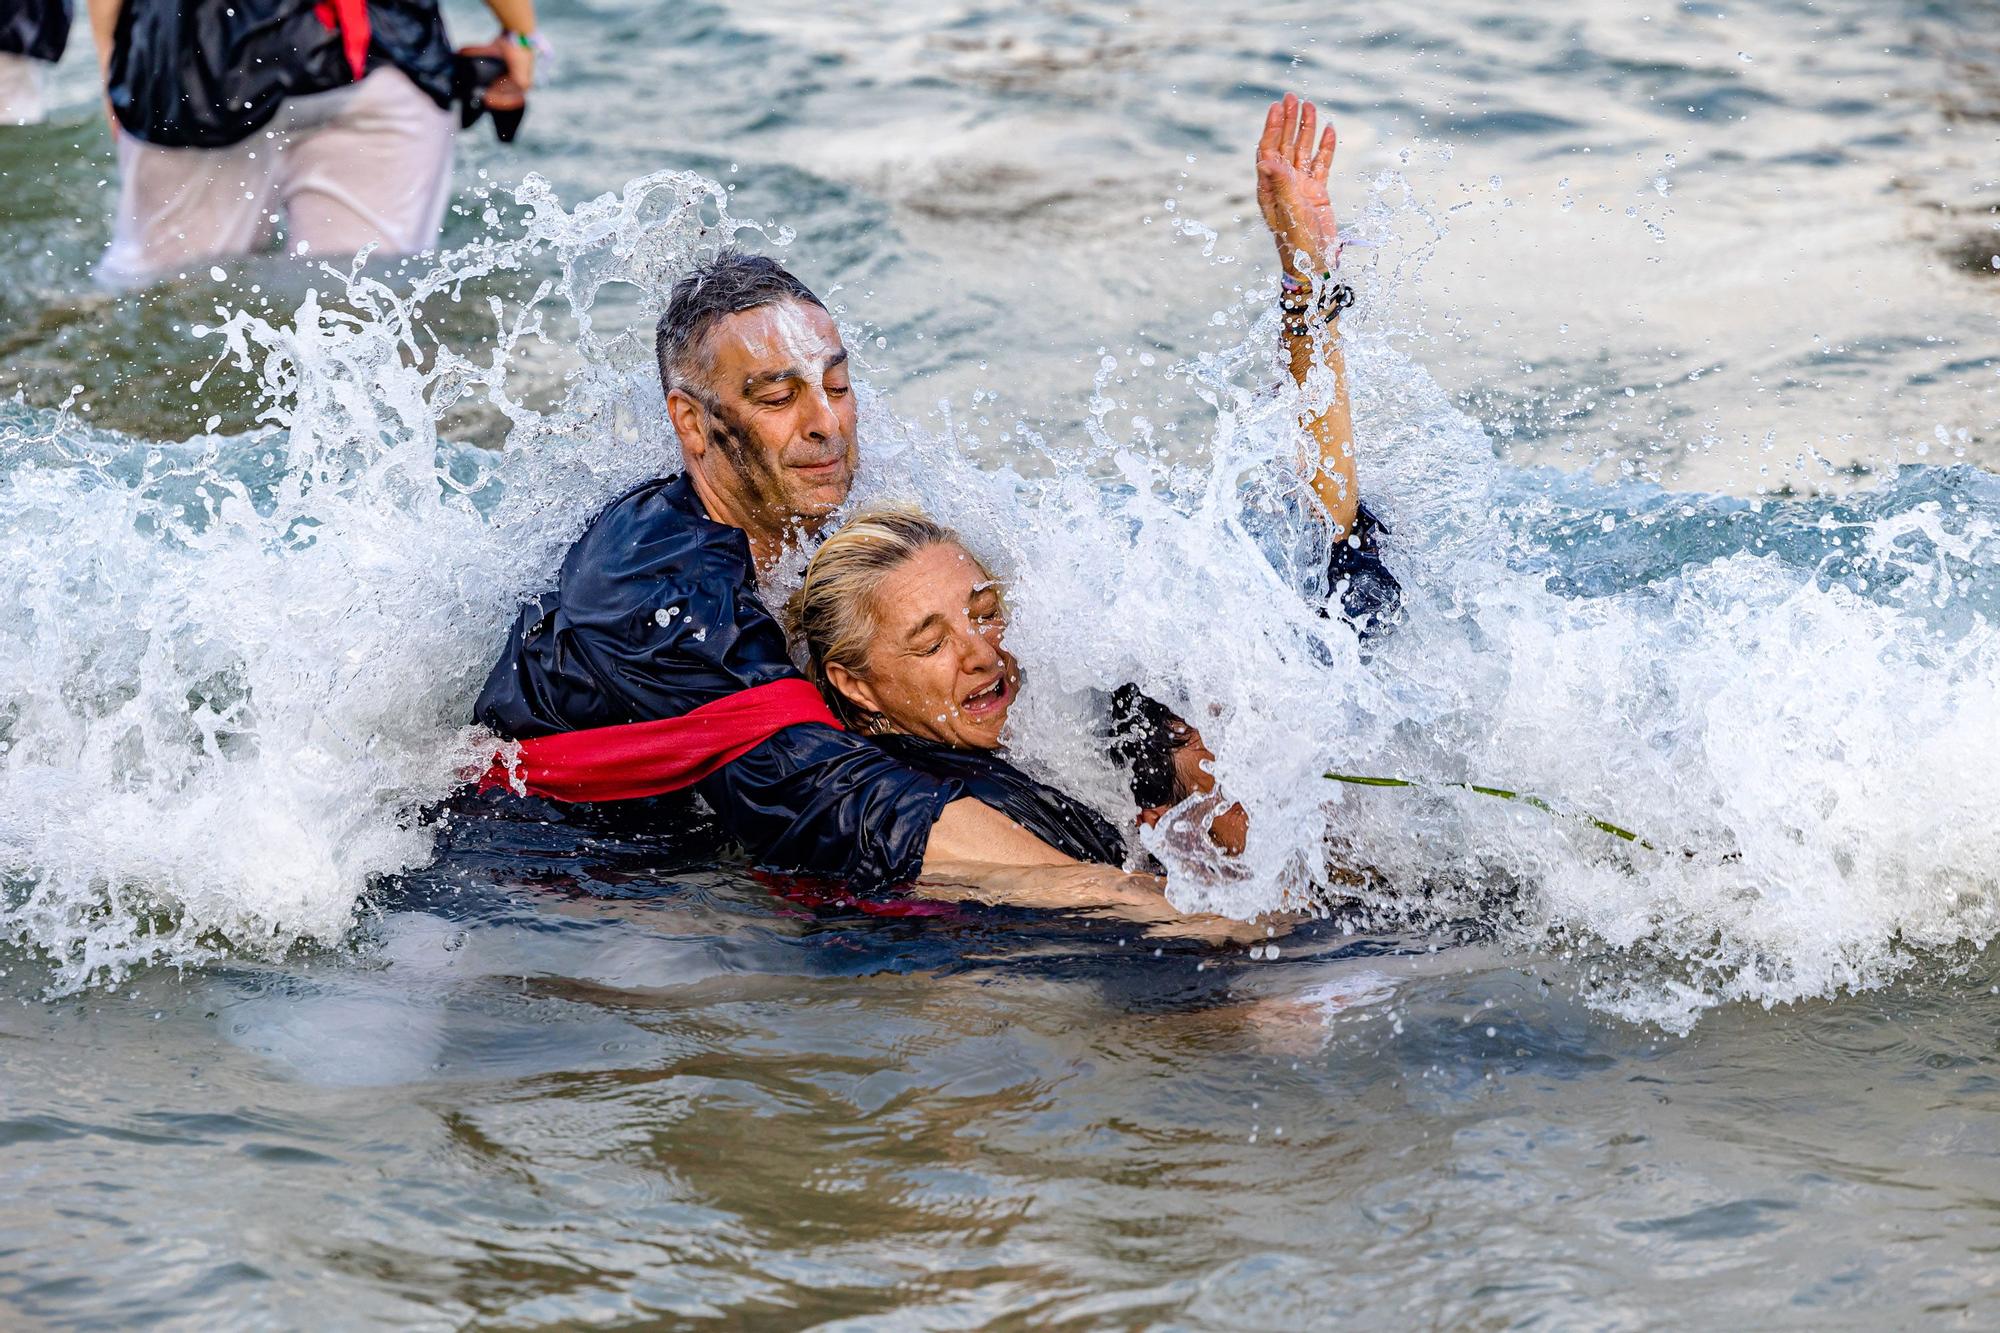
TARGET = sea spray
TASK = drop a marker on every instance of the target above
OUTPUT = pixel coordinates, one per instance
(1796, 699)
(242, 665)
(236, 670)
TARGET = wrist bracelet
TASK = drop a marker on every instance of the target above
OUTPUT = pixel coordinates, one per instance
(1303, 312)
(1293, 285)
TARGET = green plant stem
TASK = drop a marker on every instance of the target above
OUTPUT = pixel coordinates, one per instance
(1525, 798)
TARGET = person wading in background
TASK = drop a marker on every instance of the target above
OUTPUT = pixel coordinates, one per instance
(232, 115)
(32, 36)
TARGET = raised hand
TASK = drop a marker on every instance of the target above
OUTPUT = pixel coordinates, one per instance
(1291, 187)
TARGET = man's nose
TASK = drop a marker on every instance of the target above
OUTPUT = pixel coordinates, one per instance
(819, 422)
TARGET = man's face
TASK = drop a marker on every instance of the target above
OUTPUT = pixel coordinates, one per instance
(775, 432)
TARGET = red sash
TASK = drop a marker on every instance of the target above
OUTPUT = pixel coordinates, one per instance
(350, 18)
(651, 758)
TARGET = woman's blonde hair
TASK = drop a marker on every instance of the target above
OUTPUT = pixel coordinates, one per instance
(832, 617)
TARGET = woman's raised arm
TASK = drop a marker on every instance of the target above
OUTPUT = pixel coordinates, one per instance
(1291, 190)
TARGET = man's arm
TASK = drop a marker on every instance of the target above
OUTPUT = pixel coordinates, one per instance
(517, 17)
(104, 32)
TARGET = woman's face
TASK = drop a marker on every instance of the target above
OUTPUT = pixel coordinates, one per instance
(935, 667)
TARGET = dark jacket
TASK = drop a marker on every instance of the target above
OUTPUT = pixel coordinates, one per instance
(38, 29)
(1061, 821)
(655, 613)
(210, 73)
(1369, 594)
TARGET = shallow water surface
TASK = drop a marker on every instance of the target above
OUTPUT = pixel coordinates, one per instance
(588, 1091)
(1677, 376)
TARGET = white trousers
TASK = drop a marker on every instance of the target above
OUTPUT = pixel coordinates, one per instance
(369, 163)
(21, 94)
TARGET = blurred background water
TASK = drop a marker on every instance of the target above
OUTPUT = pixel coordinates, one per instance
(1703, 297)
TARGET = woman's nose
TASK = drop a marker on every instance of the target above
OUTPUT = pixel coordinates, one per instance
(979, 652)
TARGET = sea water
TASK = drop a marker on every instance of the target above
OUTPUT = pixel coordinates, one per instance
(287, 1036)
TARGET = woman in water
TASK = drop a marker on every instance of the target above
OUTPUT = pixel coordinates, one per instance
(901, 625)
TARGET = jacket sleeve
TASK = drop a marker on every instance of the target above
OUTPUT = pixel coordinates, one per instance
(1369, 594)
(818, 801)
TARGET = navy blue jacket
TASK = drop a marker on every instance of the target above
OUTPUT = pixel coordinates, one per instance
(38, 29)
(656, 613)
(1367, 591)
(1058, 819)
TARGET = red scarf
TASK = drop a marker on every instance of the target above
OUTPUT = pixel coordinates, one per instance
(638, 759)
(350, 19)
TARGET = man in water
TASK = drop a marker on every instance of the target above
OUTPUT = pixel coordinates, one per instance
(657, 613)
(657, 616)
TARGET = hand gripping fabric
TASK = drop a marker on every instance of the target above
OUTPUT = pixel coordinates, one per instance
(636, 759)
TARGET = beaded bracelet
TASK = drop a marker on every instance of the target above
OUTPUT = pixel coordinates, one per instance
(1334, 297)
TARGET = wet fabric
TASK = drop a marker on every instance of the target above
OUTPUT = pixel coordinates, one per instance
(38, 29)
(187, 74)
(1060, 820)
(1368, 593)
(640, 759)
(22, 97)
(367, 164)
(656, 612)
(1142, 733)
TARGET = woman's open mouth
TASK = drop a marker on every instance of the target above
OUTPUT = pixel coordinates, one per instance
(983, 702)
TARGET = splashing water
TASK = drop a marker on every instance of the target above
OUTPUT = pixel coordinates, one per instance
(240, 667)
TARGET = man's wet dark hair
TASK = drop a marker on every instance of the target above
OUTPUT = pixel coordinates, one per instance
(728, 284)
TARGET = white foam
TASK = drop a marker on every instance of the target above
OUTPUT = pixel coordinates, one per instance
(232, 679)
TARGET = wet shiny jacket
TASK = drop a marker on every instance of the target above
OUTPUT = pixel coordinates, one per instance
(655, 613)
(210, 73)
(38, 29)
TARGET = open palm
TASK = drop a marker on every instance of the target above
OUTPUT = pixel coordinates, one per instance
(1291, 186)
